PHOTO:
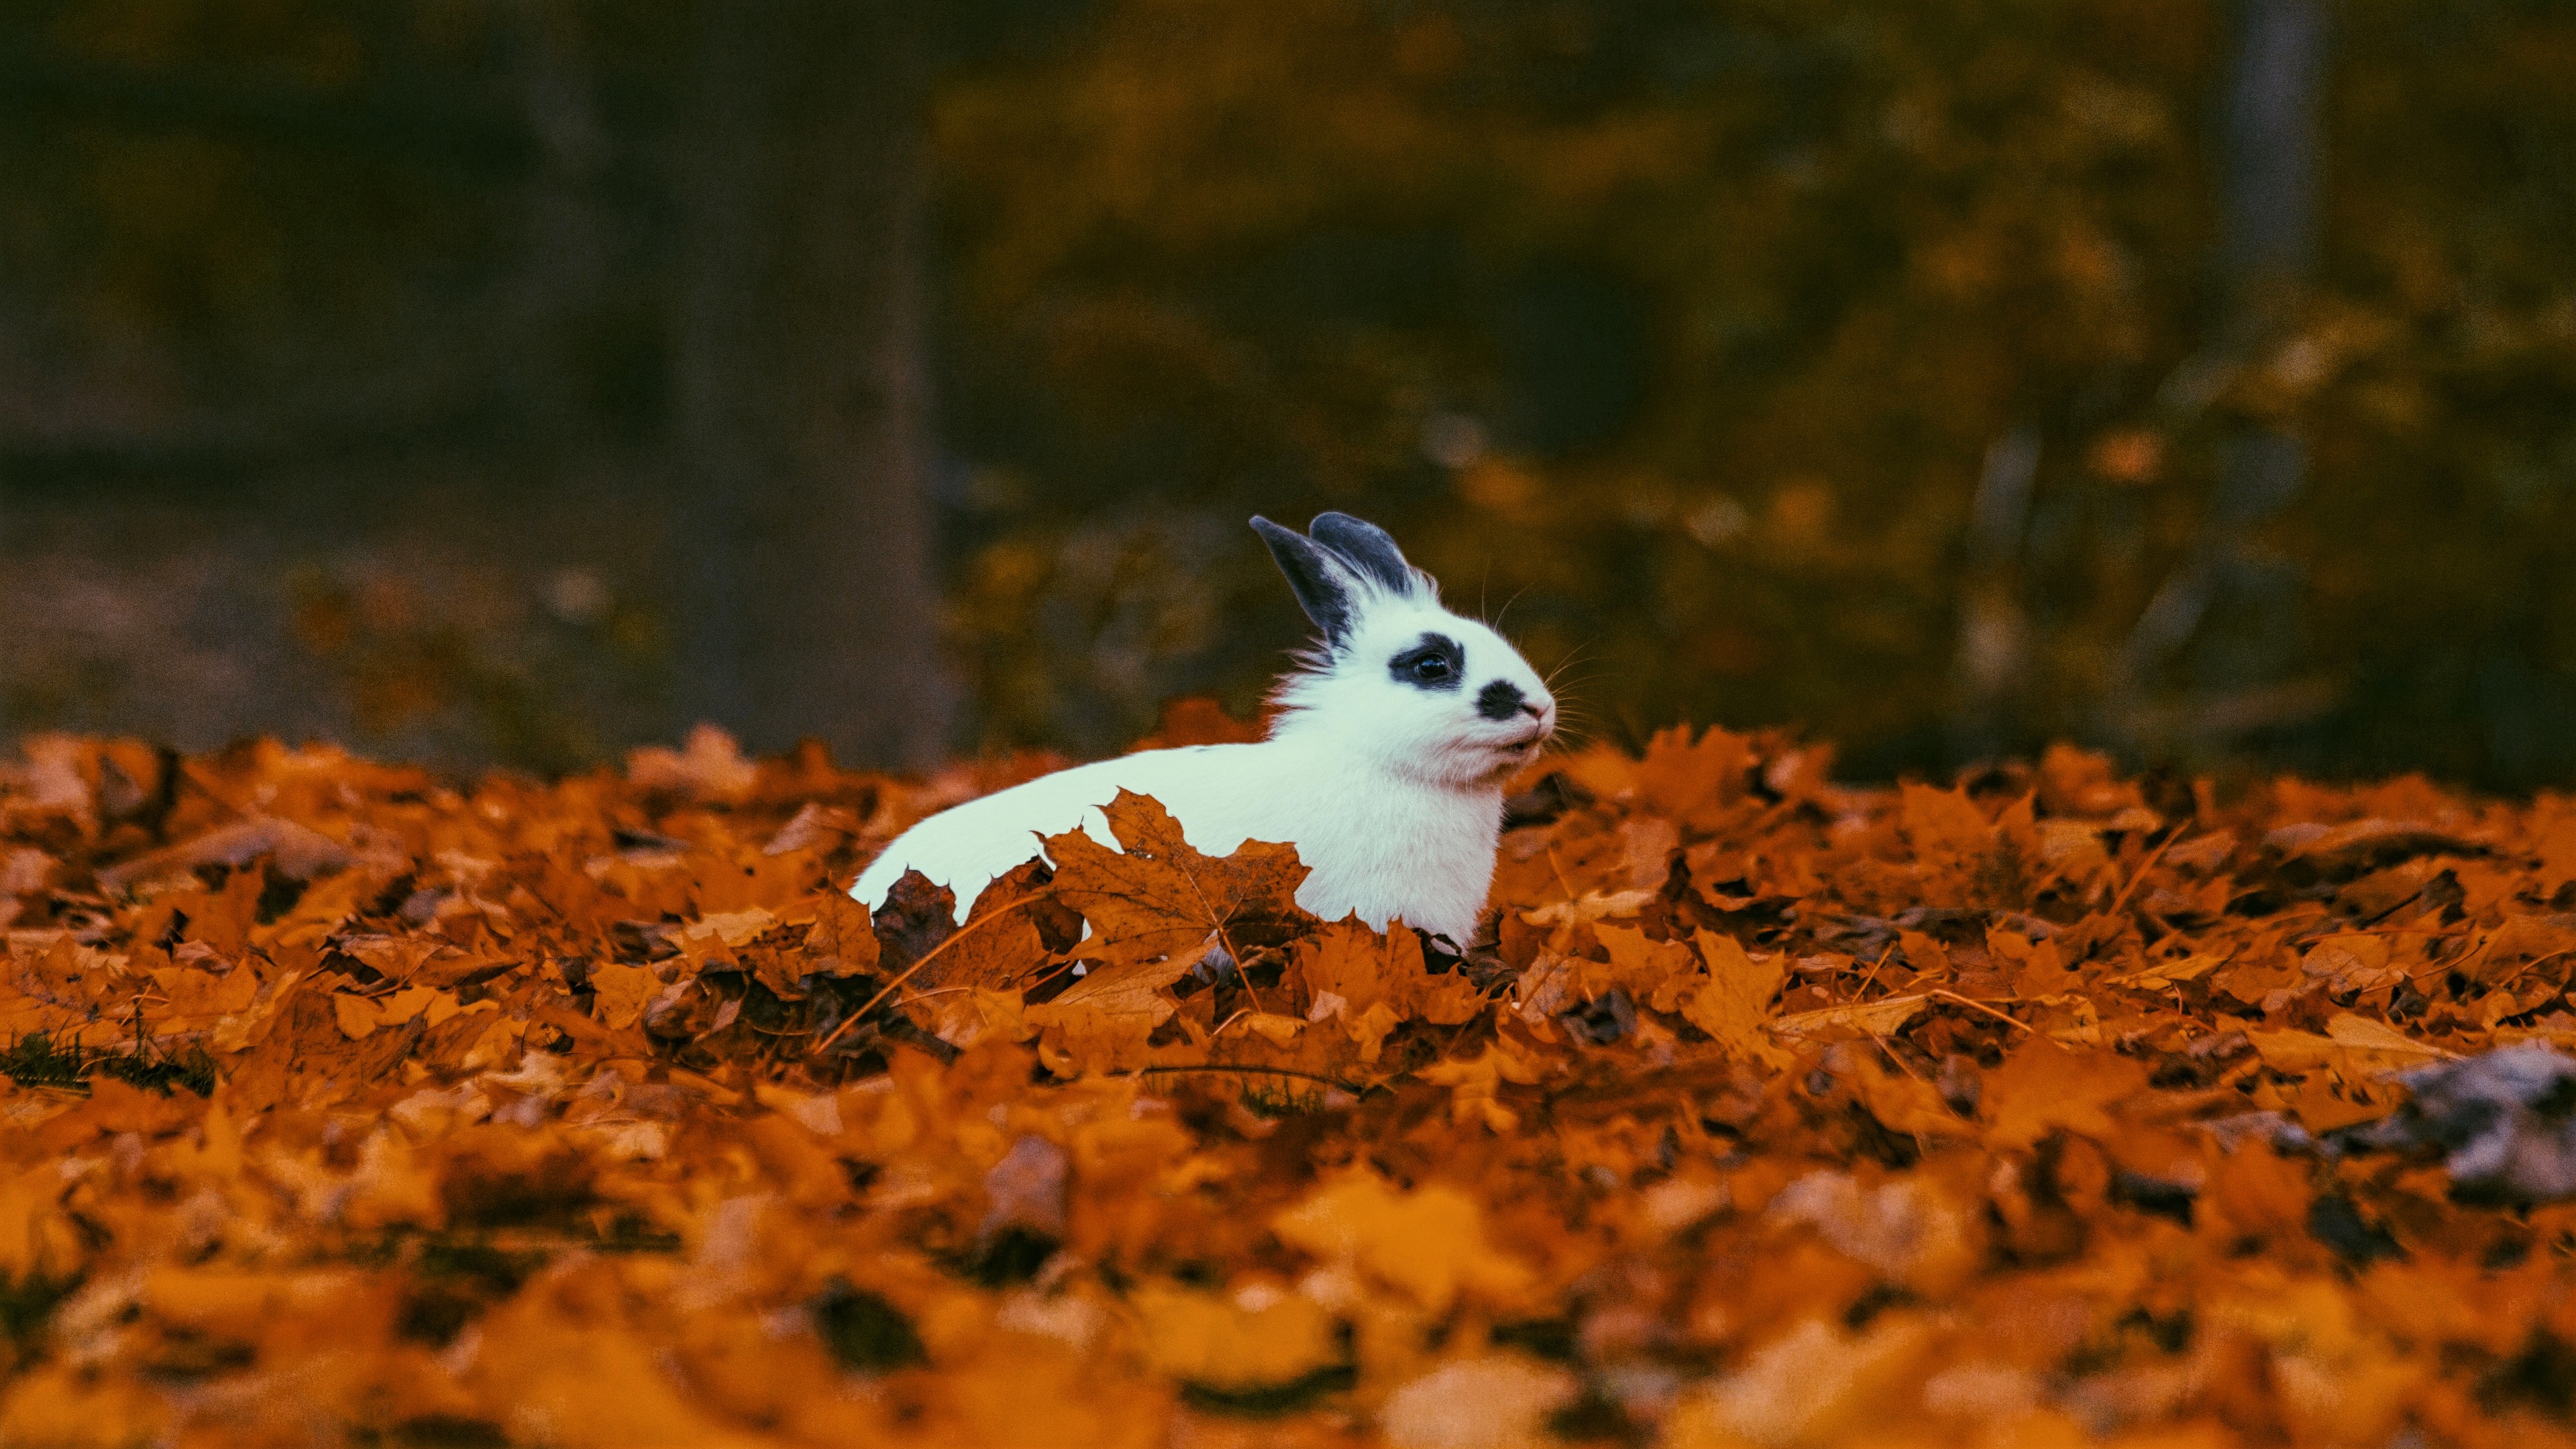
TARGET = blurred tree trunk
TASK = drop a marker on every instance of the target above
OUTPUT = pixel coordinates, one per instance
(1993, 677)
(809, 604)
(563, 261)
(2272, 137)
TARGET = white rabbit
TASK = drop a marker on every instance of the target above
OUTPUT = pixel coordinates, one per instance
(1384, 764)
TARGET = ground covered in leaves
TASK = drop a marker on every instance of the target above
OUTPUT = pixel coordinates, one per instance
(351, 1105)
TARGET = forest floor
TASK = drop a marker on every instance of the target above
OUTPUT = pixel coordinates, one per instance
(348, 1104)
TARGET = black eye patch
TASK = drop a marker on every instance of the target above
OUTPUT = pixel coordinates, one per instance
(1438, 662)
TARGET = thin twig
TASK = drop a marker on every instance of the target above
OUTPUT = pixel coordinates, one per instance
(2511, 976)
(1889, 1052)
(1893, 1059)
(1883, 953)
(2462, 965)
(1977, 1005)
(926, 958)
(1353, 1087)
(1564, 884)
(2148, 864)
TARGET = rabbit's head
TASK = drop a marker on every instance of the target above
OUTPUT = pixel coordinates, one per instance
(1426, 693)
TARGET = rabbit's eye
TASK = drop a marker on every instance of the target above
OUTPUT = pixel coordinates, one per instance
(1434, 662)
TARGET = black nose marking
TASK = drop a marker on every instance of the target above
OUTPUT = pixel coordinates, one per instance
(1499, 700)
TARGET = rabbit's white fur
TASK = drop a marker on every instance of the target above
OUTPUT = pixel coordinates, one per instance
(1389, 784)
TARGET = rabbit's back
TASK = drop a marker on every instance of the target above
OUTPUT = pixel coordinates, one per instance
(1381, 850)
(1213, 791)
(1388, 751)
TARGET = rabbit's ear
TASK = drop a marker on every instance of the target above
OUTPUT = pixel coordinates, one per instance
(1322, 581)
(1367, 547)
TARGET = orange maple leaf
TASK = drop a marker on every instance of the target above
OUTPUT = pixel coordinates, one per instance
(1156, 898)
(1374, 983)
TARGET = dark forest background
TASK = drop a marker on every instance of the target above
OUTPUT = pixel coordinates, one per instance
(516, 380)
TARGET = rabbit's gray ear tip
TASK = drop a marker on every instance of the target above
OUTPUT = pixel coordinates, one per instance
(1266, 528)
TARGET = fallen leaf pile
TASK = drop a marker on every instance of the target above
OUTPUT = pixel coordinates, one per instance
(348, 1105)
